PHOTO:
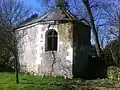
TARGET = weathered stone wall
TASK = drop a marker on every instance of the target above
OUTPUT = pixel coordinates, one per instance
(72, 52)
(34, 58)
(59, 62)
(27, 49)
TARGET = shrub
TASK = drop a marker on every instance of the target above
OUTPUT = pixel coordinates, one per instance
(113, 73)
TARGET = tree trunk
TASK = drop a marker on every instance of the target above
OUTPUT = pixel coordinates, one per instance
(119, 33)
(16, 68)
(15, 53)
(95, 33)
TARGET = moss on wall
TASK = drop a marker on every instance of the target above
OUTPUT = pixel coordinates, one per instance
(66, 32)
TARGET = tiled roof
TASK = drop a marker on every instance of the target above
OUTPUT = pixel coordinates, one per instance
(57, 14)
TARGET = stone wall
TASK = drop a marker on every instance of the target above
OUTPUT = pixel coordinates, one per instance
(71, 57)
(59, 62)
(34, 58)
(27, 49)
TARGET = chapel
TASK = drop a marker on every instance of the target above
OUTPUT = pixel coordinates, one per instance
(57, 43)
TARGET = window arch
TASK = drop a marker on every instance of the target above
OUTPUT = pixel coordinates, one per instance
(51, 40)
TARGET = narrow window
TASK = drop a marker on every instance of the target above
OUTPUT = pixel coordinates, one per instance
(51, 40)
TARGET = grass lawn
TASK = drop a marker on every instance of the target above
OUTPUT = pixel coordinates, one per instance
(28, 82)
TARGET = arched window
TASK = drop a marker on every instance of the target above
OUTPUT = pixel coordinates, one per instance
(51, 40)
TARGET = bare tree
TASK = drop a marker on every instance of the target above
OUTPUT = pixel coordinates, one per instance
(12, 13)
(112, 33)
(94, 12)
(95, 33)
(46, 5)
(114, 24)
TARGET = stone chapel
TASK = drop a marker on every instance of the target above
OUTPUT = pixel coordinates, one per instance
(57, 43)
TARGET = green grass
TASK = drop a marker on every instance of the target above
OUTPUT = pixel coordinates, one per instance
(29, 82)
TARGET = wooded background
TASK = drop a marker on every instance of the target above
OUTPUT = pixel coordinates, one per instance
(102, 16)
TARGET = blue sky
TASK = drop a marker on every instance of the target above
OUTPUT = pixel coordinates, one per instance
(34, 5)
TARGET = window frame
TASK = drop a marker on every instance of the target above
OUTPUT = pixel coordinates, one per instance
(53, 36)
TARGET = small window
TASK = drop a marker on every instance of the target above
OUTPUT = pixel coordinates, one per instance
(51, 40)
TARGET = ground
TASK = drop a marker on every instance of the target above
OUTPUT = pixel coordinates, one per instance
(29, 82)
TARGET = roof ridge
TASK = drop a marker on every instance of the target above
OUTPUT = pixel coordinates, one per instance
(68, 14)
(65, 12)
(71, 15)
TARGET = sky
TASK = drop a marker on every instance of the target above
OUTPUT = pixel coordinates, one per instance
(34, 5)
(37, 6)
